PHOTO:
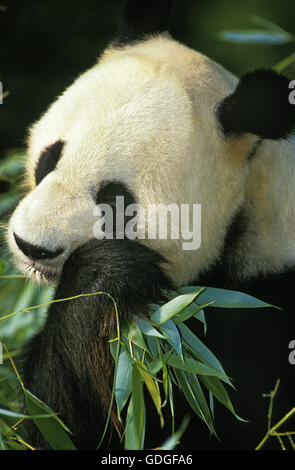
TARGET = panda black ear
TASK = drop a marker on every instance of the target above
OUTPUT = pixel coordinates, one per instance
(260, 105)
(141, 18)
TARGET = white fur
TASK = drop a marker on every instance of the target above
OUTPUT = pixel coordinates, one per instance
(268, 245)
(144, 115)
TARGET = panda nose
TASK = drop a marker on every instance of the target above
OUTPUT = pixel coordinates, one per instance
(35, 252)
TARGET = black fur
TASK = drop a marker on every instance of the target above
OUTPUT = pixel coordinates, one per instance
(68, 364)
(36, 252)
(142, 18)
(107, 194)
(259, 105)
(252, 345)
(48, 160)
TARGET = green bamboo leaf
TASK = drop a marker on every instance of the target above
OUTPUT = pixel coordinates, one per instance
(122, 380)
(258, 21)
(211, 403)
(131, 433)
(285, 63)
(52, 429)
(201, 317)
(152, 387)
(200, 351)
(2, 447)
(165, 370)
(134, 437)
(172, 308)
(8, 201)
(155, 366)
(134, 334)
(173, 440)
(218, 390)
(12, 165)
(255, 36)
(200, 397)
(193, 401)
(171, 403)
(189, 311)
(224, 298)
(153, 346)
(147, 328)
(172, 335)
(14, 414)
(165, 379)
(191, 365)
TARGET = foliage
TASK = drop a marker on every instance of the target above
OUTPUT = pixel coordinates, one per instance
(270, 34)
(272, 431)
(158, 352)
(161, 352)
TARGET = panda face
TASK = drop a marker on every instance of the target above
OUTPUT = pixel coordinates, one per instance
(143, 117)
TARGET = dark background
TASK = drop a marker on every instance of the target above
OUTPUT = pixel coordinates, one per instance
(45, 44)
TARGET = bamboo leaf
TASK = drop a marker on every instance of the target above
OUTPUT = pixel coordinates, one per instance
(147, 328)
(155, 366)
(201, 317)
(152, 387)
(134, 334)
(172, 308)
(285, 63)
(173, 440)
(218, 390)
(172, 335)
(255, 36)
(131, 438)
(258, 21)
(199, 349)
(202, 411)
(224, 298)
(153, 346)
(52, 429)
(13, 414)
(136, 414)
(199, 396)
(189, 311)
(122, 380)
(191, 365)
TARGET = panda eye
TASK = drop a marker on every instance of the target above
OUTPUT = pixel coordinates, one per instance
(48, 160)
(107, 194)
(109, 190)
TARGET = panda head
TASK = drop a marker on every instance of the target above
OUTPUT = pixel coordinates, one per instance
(153, 121)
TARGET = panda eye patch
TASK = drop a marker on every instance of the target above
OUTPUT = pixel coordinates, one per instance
(48, 160)
(107, 194)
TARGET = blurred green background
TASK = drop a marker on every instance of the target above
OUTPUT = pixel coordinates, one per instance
(45, 45)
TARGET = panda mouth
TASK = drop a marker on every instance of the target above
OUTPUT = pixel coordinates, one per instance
(40, 273)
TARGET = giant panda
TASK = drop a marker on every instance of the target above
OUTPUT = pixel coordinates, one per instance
(157, 122)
